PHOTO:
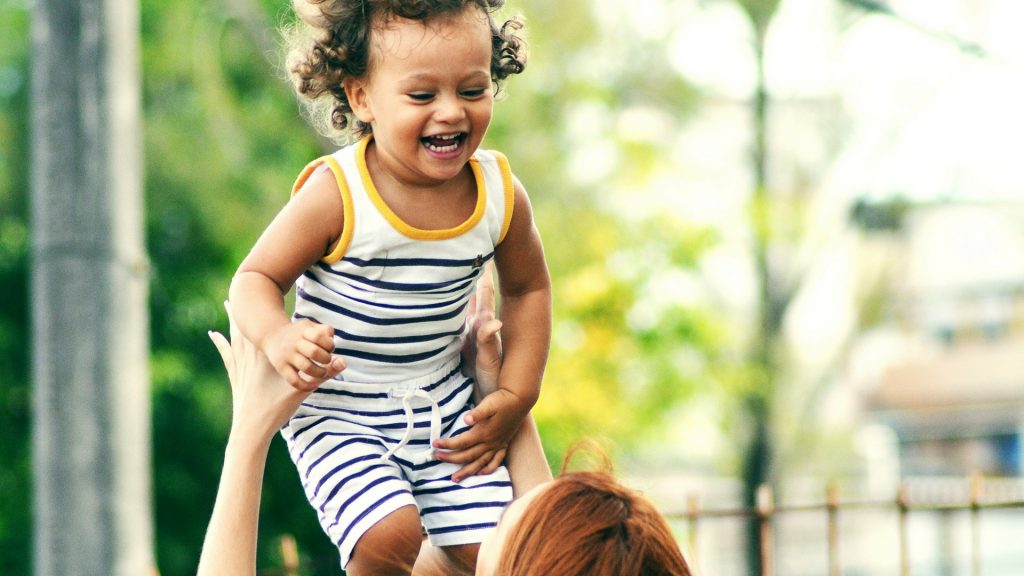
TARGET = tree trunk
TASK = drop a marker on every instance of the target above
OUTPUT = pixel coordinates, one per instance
(90, 339)
(758, 456)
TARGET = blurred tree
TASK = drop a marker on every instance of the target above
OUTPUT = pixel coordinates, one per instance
(15, 398)
(91, 403)
(774, 294)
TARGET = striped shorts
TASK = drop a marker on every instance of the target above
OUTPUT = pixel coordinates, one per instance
(343, 441)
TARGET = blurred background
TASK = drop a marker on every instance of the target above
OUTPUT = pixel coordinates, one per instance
(786, 239)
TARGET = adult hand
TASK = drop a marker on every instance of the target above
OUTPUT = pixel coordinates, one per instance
(481, 342)
(261, 401)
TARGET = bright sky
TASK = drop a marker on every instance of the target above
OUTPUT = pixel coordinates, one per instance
(922, 118)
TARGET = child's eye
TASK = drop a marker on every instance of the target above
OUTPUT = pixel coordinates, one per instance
(421, 96)
(473, 92)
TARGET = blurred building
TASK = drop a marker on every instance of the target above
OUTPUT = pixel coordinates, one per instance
(954, 394)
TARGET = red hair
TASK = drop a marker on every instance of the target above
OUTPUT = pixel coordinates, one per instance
(587, 523)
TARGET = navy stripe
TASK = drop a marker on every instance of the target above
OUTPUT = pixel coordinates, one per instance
(319, 421)
(432, 287)
(313, 278)
(349, 478)
(383, 339)
(458, 486)
(390, 358)
(339, 468)
(335, 448)
(322, 435)
(467, 506)
(373, 319)
(364, 514)
(395, 262)
(462, 528)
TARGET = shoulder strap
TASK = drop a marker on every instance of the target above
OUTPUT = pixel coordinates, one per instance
(509, 191)
(346, 202)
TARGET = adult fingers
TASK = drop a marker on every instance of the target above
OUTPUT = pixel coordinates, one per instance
(485, 294)
(226, 355)
(487, 362)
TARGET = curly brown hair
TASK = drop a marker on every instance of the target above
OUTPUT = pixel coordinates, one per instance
(331, 42)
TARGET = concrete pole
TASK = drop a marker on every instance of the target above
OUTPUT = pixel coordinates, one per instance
(90, 343)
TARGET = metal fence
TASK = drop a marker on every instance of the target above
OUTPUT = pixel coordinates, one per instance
(912, 498)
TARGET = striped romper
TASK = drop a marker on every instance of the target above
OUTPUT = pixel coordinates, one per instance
(397, 298)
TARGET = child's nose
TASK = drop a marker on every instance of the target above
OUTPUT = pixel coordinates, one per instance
(449, 109)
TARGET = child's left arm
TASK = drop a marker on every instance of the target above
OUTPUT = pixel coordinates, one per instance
(526, 334)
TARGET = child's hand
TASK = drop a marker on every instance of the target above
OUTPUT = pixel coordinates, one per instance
(261, 402)
(301, 352)
(481, 449)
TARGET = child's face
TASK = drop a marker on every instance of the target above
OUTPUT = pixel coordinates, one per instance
(427, 95)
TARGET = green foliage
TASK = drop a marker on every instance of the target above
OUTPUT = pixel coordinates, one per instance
(15, 399)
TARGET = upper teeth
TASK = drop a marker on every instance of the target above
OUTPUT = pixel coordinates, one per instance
(446, 148)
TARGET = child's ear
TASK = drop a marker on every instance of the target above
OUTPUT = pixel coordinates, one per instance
(355, 91)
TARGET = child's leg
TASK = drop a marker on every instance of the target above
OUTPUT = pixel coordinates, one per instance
(449, 560)
(389, 547)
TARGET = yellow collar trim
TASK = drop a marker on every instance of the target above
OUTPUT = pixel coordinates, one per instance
(411, 231)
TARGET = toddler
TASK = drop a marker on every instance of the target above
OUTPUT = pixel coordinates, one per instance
(384, 241)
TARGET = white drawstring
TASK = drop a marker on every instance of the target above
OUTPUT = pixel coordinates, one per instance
(435, 424)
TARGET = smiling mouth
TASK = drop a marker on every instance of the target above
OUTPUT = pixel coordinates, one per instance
(444, 142)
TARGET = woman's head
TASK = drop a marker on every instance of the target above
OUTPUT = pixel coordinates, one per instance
(582, 523)
(333, 42)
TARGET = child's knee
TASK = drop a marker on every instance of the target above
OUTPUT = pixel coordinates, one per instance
(389, 546)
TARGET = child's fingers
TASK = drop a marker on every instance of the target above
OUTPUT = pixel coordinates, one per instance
(313, 352)
(481, 412)
(305, 382)
(458, 444)
(465, 457)
(320, 334)
(473, 468)
(496, 460)
(309, 368)
(336, 366)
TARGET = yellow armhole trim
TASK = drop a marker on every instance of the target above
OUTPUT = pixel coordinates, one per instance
(410, 231)
(346, 203)
(510, 192)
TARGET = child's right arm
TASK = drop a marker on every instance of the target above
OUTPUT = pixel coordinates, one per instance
(304, 231)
